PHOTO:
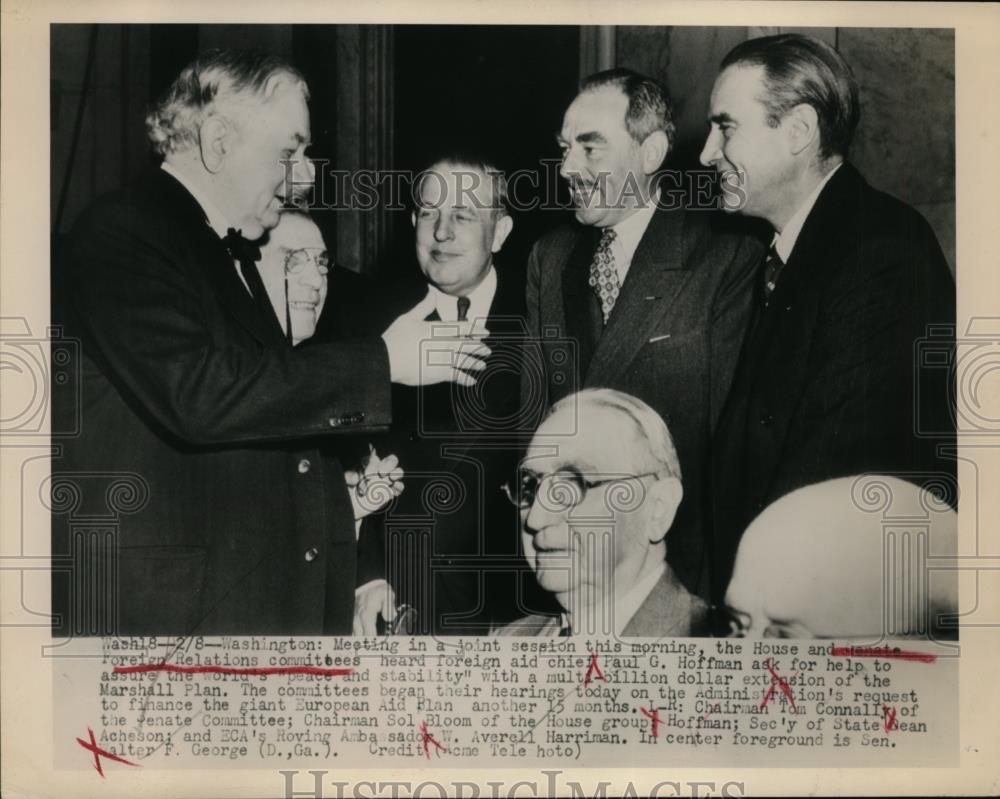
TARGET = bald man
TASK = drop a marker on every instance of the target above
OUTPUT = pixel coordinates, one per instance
(848, 558)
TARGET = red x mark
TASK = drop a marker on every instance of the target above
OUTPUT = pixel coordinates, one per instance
(653, 714)
(890, 719)
(98, 753)
(427, 739)
(777, 682)
(594, 669)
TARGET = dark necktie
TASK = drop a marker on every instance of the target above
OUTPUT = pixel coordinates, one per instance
(603, 274)
(772, 269)
(463, 308)
(247, 254)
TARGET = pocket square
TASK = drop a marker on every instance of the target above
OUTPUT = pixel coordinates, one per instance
(654, 339)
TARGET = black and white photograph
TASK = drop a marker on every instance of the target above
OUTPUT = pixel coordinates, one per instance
(369, 353)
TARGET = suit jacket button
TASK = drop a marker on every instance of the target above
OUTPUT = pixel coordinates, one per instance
(335, 421)
(304, 466)
(766, 419)
(311, 554)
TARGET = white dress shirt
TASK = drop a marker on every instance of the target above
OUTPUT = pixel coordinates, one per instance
(629, 233)
(216, 219)
(480, 300)
(784, 242)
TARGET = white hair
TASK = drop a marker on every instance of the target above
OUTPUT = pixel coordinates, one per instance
(649, 425)
(226, 82)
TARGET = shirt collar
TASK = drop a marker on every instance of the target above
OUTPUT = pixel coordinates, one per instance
(480, 300)
(784, 242)
(631, 229)
(215, 218)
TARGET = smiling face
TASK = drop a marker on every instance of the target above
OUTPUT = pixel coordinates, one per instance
(582, 541)
(457, 227)
(254, 179)
(294, 258)
(602, 163)
(741, 141)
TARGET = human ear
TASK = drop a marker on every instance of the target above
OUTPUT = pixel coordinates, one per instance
(803, 127)
(213, 142)
(665, 494)
(654, 151)
(500, 233)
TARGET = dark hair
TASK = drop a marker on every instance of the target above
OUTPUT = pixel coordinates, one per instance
(800, 69)
(649, 108)
(479, 163)
(216, 79)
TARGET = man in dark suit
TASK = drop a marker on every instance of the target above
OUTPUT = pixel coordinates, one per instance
(827, 383)
(640, 294)
(200, 424)
(452, 537)
(597, 492)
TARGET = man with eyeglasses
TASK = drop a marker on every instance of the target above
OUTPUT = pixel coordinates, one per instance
(295, 267)
(598, 492)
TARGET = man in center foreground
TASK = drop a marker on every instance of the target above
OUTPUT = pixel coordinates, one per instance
(598, 492)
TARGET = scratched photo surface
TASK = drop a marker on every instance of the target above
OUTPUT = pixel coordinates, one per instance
(379, 352)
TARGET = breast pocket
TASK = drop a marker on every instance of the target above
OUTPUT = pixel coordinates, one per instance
(669, 373)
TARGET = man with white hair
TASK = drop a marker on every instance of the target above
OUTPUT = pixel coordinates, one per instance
(238, 521)
(857, 557)
(598, 493)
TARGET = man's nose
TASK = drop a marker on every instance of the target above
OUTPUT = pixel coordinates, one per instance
(540, 516)
(443, 228)
(711, 153)
(569, 168)
(304, 172)
(311, 276)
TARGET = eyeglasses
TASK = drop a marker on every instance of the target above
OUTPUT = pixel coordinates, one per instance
(567, 488)
(297, 260)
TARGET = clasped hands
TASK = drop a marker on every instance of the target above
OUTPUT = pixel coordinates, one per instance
(456, 357)
(379, 482)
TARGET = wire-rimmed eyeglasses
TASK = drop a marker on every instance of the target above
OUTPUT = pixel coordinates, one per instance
(566, 489)
(298, 259)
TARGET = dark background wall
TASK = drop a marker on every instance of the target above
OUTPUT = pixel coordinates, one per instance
(391, 97)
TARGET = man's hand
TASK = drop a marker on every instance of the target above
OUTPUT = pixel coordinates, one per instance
(372, 600)
(381, 482)
(449, 351)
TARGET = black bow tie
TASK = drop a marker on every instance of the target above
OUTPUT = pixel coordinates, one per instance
(241, 249)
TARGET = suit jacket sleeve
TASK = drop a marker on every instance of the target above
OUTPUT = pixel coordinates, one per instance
(534, 382)
(163, 340)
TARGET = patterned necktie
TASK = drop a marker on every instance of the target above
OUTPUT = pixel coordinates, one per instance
(463, 308)
(603, 275)
(772, 268)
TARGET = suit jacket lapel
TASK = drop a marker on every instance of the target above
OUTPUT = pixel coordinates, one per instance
(581, 308)
(655, 278)
(668, 610)
(221, 270)
(795, 294)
